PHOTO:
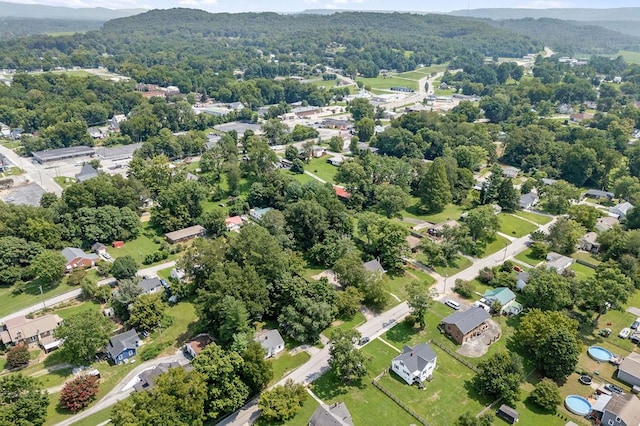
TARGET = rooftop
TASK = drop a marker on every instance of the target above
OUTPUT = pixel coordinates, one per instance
(189, 232)
(61, 153)
(502, 294)
(148, 285)
(373, 266)
(631, 365)
(122, 341)
(269, 339)
(467, 320)
(335, 414)
(416, 358)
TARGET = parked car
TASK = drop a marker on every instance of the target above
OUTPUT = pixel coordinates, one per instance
(452, 304)
(635, 324)
(364, 340)
(613, 388)
(106, 256)
(517, 268)
(635, 338)
(624, 333)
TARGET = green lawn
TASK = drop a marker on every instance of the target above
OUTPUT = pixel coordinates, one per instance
(64, 181)
(31, 295)
(183, 326)
(302, 178)
(526, 257)
(67, 312)
(364, 401)
(587, 257)
(322, 169)
(286, 363)
(388, 82)
(534, 217)
(165, 273)
(495, 246)
(95, 419)
(398, 284)
(450, 212)
(139, 247)
(632, 57)
(345, 324)
(582, 272)
(413, 75)
(452, 268)
(513, 226)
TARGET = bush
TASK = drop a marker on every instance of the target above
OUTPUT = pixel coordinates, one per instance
(79, 392)
(18, 288)
(17, 356)
(76, 277)
(547, 395)
(486, 275)
(464, 288)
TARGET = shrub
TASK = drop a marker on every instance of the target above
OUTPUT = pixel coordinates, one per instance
(79, 392)
(547, 395)
(486, 275)
(464, 288)
(17, 356)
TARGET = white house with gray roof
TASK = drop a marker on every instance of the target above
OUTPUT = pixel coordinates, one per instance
(150, 285)
(271, 341)
(415, 364)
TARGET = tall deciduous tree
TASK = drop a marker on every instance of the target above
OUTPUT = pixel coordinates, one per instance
(390, 199)
(257, 372)
(564, 235)
(547, 290)
(282, 402)
(547, 395)
(146, 312)
(499, 376)
(419, 300)
(49, 266)
(435, 190)
(347, 362)
(84, 334)
(482, 223)
(608, 288)
(22, 401)
(79, 392)
(124, 267)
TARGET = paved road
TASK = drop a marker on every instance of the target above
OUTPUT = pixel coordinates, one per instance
(37, 175)
(124, 388)
(74, 294)
(318, 364)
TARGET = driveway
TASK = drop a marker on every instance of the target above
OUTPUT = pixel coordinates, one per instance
(479, 346)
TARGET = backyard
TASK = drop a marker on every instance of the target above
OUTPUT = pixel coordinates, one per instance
(322, 169)
(513, 226)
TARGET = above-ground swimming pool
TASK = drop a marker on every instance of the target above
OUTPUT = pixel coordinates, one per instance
(599, 353)
(577, 405)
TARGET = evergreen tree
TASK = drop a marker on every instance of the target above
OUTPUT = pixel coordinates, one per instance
(435, 191)
(507, 195)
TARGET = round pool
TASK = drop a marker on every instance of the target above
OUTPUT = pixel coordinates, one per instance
(585, 380)
(577, 405)
(599, 353)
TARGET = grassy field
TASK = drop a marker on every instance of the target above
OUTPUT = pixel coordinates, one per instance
(514, 226)
(526, 257)
(632, 57)
(285, 363)
(582, 272)
(387, 83)
(67, 312)
(495, 246)
(450, 212)
(95, 419)
(363, 400)
(184, 324)
(31, 295)
(452, 268)
(534, 217)
(64, 181)
(140, 247)
(322, 169)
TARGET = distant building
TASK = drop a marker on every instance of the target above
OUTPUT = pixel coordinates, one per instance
(123, 347)
(590, 242)
(146, 379)
(528, 200)
(233, 223)
(558, 262)
(99, 248)
(597, 193)
(150, 285)
(616, 410)
(341, 193)
(373, 266)
(605, 223)
(197, 344)
(77, 259)
(40, 331)
(185, 234)
(510, 172)
(580, 117)
(621, 210)
(62, 153)
(258, 214)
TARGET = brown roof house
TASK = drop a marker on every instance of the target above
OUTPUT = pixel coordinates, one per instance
(31, 331)
(185, 234)
(463, 326)
(197, 344)
(335, 414)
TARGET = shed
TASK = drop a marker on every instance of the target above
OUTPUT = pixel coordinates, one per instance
(508, 414)
(117, 244)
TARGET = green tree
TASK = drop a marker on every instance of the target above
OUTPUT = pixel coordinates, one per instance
(214, 222)
(390, 199)
(557, 198)
(282, 402)
(499, 376)
(179, 205)
(124, 267)
(234, 319)
(22, 401)
(564, 235)
(84, 334)
(79, 392)
(178, 397)
(547, 395)
(360, 108)
(335, 144)
(221, 371)
(385, 238)
(347, 362)
(536, 325)
(348, 302)
(507, 196)
(146, 312)
(365, 128)
(49, 266)
(482, 223)
(305, 319)
(469, 419)
(18, 356)
(609, 288)
(547, 290)
(257, 372)
(349, 270)
(585, 215)
(563, 346)
(419, 300)
(435, 190)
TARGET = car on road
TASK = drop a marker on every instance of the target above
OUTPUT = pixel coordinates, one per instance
(635, 324)
(624, 333)
(613, 388)
(364, 340)
(452, 304)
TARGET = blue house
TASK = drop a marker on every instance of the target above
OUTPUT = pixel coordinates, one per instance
(123, 346)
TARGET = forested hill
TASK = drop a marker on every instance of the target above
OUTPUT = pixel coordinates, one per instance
(569, 14)
(39, 11)
(19, 27)
(571, 37)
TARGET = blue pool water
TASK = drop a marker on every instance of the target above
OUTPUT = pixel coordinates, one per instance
(577, 405)
(599, 353)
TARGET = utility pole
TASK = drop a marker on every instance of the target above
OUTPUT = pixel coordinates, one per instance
(44, 306)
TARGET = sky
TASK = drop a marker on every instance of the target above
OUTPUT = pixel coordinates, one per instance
(299, 5)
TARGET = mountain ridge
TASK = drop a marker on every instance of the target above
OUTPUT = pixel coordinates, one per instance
(38, 11)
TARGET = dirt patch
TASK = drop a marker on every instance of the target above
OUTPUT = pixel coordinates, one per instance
(479, 346)
(329, 275)
(435, 397)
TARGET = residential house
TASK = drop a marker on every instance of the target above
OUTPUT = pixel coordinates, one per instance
(233, 223)
(616, 410)
(341, 193)
(373, 266)
(438, 229)
(77, 259)
(558, 262)
(629, 369)
(564, 109)
(529, 200)
(333, 123)
(177, 274)
(335, 414)
(95, 133)
(463, 326)
(363, 146)
(87, 172)
(150, 285)
(271, 341)
(185, 234)
(336, 160)
(580, 117)
(115, 121)
(197, 344)
(123, 347)
(99, 249)
(147, 378)
(521, 280)
(506, 298)
(589, 242)
(415, 365)
(40, 330)
(258, 214)
(318, 151)
(510, 172)
(597, 193)
(548, 181)
(305, 111)
(16, 134)
(605, 223)
(621, 210)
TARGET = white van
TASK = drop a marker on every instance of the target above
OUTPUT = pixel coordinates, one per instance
(452, 304)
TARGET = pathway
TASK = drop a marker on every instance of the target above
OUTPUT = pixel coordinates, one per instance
(318, 178)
